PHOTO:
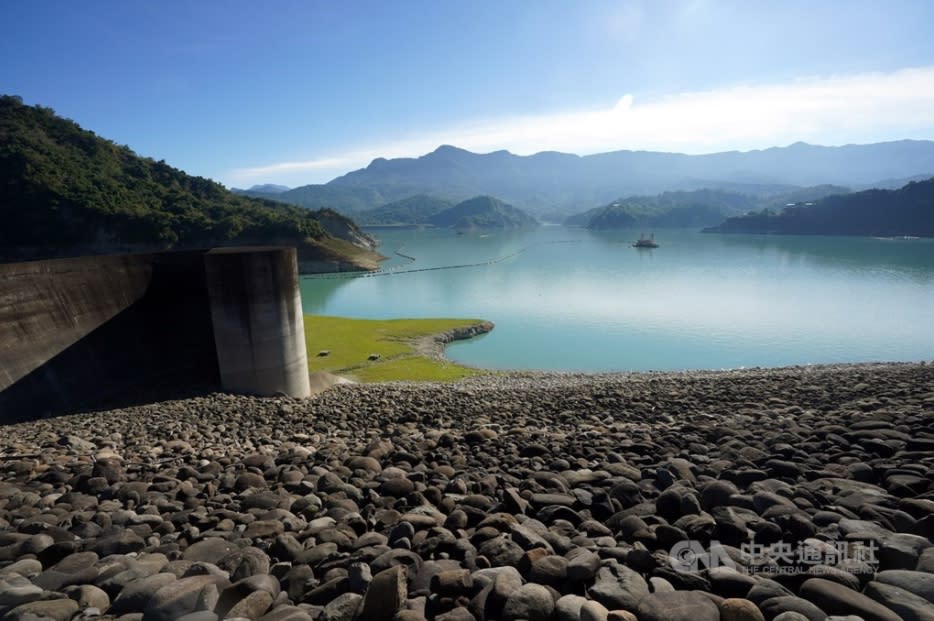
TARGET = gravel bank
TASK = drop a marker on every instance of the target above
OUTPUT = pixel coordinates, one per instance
(521, 496)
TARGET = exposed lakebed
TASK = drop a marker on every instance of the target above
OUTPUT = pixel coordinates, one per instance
(539, 497)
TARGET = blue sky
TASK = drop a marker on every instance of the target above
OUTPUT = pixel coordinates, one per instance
(299, 92)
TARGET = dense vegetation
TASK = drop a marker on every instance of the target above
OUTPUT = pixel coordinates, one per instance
(907, 211)
(483, 212)
(66, 191)
(412, 210)
(694, 209)
(478, 213)
(670, 209)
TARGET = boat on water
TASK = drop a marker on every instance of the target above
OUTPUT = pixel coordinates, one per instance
(644, 242)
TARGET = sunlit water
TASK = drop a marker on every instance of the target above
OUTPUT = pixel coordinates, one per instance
(588, 301)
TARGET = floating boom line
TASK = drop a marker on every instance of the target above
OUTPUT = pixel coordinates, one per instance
(395, 271)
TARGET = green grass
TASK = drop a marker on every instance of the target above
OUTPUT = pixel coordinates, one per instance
(351, 341)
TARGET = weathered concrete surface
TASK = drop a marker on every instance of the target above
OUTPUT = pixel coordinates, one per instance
(83, 333)
(47, 306)
(256, 309)
(110, 330)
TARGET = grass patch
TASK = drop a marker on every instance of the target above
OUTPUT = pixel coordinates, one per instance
(351, 341)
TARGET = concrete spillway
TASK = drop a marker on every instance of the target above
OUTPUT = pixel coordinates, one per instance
(78, 334)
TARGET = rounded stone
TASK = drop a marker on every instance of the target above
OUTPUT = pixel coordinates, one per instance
(530, 602)
(385, 595)
(836, 599)
(677, 606)
(737, 609)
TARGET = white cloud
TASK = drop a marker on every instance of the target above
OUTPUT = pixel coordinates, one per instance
(293, 167)
(825, 110)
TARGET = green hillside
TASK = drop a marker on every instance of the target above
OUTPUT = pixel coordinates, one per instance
(908, 211)
(696, 208)
(483, 212)
(412, 210)
(65, 191)
(691, 209)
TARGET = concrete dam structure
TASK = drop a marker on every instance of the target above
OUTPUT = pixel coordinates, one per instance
(111, 331)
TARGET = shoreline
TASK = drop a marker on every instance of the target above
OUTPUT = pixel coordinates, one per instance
(432, 346)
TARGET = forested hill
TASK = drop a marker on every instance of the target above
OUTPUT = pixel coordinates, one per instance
(694, 209)
(65, 191)
(483, 212)
(908, 211)
(412, 210)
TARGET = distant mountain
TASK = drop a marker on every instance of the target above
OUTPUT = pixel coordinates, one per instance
(694, 209)
(892, 184)
(884, 213)
(552, 182)
(412, 210)
(269, 188)
(482, 212)
(65, 192)
(346, 200)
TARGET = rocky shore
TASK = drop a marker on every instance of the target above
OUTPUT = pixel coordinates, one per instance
(433, 346)
(791, 494)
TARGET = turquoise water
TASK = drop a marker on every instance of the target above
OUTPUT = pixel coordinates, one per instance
(578, 300)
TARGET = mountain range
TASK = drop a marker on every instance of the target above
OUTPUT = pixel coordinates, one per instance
(552, 185)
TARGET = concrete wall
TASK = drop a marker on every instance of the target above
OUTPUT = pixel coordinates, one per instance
(111, 331)
(256, 308)
(47, 306)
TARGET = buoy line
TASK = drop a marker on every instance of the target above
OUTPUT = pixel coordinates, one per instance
(395, 271)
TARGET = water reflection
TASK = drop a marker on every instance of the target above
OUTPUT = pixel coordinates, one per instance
(914, 258)
(317, 292)
(698, 301)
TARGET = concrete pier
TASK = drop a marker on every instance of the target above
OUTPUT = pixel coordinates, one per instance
(256, 310)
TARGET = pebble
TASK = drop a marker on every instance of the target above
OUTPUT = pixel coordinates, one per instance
(552, 497)
(836, 599)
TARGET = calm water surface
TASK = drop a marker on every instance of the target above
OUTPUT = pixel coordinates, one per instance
(588, 301)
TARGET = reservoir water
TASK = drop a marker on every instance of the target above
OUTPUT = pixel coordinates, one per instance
(577, 300)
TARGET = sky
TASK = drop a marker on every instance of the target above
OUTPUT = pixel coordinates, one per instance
(301, 91)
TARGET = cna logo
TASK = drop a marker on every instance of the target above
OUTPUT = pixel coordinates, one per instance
(690, 556)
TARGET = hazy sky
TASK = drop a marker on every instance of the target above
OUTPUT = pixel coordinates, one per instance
(299, 92)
